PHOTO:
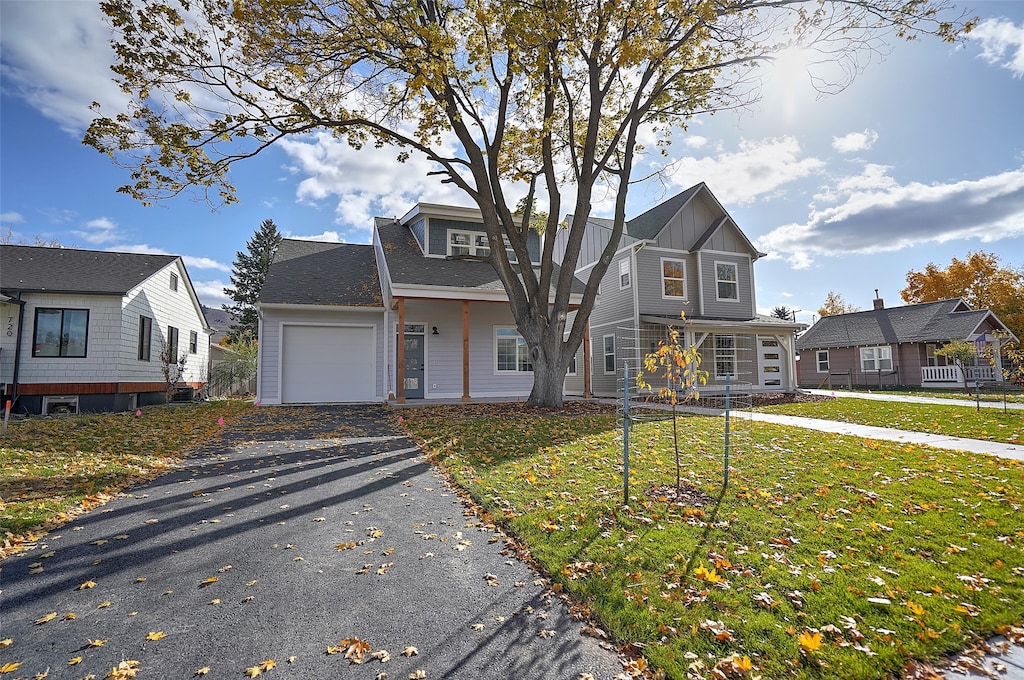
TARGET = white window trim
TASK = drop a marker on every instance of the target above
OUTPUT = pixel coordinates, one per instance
(817, 360)
(174, 281)
(472, 245)
(505, 371)
(685, 296)
(723, 376)
(604, 354)
(878, 354)
(736, 283)
(624, 270)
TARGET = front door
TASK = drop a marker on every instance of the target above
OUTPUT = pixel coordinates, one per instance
(769, 361)
(415, 336)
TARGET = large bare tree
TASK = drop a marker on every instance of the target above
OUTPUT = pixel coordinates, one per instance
(550, 94)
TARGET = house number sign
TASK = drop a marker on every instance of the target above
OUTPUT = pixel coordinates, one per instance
(10, 326)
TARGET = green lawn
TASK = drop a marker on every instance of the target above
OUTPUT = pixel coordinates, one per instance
(827, 557)
(54, 468)
(1013, 397)
(957, 421)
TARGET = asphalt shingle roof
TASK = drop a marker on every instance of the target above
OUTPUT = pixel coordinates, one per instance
(408, 266)
(925, 322)
(315, 273)
(69, 270)
(647, 225)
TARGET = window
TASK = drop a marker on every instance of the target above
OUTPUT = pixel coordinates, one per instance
(60, 332)
(468, 243)
(609, 354)
(512, 353)
(624, 274)
(673, 278)
(726, 281)
(822, 356)
(172, 344)
(145, 337)
(572, 366)
(174, 282)
(193, 342)
(876, 358)
(725, 356)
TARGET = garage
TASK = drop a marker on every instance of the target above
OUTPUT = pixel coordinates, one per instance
(327, 364)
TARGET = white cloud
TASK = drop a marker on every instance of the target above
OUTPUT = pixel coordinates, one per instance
(999, 39)
(57, 57)
(11, 218)
(191, 261)
(326, 236)
(365, 183)
(695, 141)
(855, 141)
(211, 293)
(99, 230)
(757, 168)
(874, 213)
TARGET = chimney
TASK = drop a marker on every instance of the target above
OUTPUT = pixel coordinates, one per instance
(878, 302)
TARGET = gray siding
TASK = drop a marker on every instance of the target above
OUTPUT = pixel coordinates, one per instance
(419, 230)
(744, 308)
(649, 279)
(688, 224)
(438, 236)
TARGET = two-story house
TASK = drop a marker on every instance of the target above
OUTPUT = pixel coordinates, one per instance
(683, 255)
(83, 329)
(418, 313)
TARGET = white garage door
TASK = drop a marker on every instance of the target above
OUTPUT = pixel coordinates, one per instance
(327, 364)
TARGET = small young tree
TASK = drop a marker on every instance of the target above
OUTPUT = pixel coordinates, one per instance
(679, 366)
(247, 278)
(960, 352)
(239, 367)
(171, 366)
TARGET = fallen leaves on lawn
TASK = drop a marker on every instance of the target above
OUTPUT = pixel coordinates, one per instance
(809, 642)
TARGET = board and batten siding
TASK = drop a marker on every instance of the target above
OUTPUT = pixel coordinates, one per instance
(155, 299)
(269, 370)
(651, 288)
(726, 309)
(687, 225)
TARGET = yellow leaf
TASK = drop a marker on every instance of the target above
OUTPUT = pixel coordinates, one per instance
(124, 670)
(48, 617)
(70, 616)
(97, 643)
(103, 605)
(203, 671)
(916, 608)
(87, 585)
(208, 581)
(6, 643)
(418, 674)
(268, 664)
(74, 661)
(809, 641)
(158, 635)
(410, 651)
(11, 666)
(252, 671)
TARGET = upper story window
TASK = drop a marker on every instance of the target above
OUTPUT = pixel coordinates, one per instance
(876, 358)
(60, 332)
(727, 281)
(624, 274)
(673, 278)
(145, 338)
(512, 355)
(193, 342)
(468, 243)
(174, 282)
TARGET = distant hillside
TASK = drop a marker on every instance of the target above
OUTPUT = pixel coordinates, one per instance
(219, 320)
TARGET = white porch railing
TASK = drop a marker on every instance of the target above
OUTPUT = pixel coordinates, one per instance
(951, 374)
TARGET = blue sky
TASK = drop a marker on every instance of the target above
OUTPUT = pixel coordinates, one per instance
(919, 160)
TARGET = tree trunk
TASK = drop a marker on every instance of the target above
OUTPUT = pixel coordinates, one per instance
(548, 369)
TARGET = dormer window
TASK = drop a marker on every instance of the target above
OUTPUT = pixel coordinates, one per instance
(468, 243)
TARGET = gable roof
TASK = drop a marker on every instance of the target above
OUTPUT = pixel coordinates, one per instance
(925, 322)
(69, 270)
(317, 273)
(407, 266)
(649, 224)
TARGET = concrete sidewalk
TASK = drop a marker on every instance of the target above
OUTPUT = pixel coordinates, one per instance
(939, 401)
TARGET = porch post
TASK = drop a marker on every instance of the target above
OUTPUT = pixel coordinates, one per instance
(401, 351)
(587, 394)
(465, 350)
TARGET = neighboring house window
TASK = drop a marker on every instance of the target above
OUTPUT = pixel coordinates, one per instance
(193, 342)
(512, 353)
(145, 338)
(725, 356)
(876, 358)
(822, 361)
(624, 274)
(61, 332)
(172, 344)
(726, 281)
(509, 250)
(174, 282)
(572, 366)
(673, 278)
(468, 243)
(609, 354)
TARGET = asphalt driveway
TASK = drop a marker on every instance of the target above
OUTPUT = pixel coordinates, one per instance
(298, 529)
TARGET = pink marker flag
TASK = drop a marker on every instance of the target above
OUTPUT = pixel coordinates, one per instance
(220, 421)
(138, 412)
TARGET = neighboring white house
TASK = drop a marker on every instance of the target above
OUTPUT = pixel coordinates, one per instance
(83, 329)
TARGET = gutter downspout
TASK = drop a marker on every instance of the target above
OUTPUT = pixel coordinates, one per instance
(17, 349)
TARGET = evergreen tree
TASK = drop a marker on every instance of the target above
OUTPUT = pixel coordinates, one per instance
(249, 272)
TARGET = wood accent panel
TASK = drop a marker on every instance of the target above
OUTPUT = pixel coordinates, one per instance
(35, 389)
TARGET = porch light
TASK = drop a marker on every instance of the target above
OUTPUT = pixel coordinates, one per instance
(433, 330)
